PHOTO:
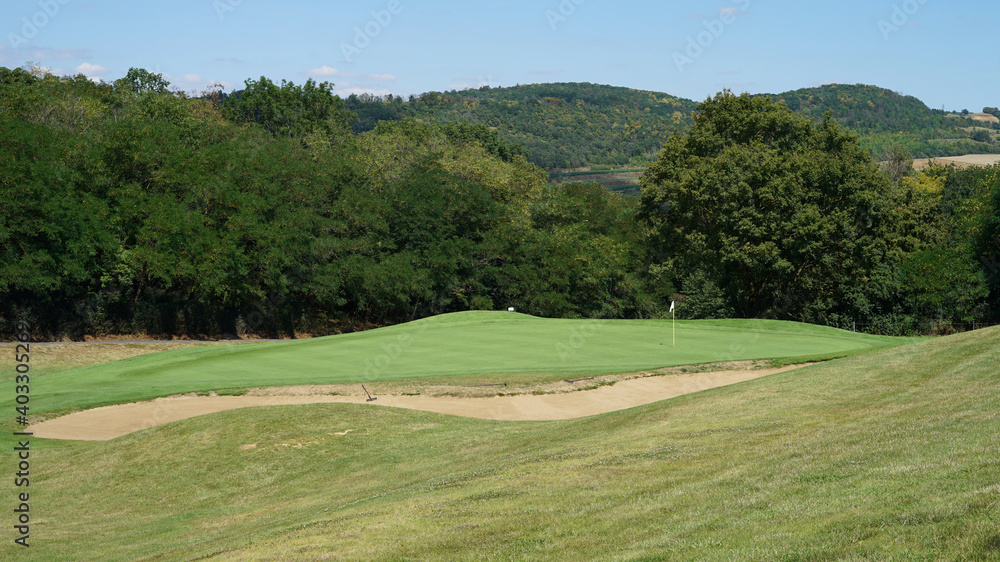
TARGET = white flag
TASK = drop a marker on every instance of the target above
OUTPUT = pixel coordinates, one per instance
(671, 306)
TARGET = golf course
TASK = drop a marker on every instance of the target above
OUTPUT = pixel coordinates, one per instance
(850, 446)
(483, 345)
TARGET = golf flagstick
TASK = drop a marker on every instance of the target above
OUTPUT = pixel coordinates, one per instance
(673, 325)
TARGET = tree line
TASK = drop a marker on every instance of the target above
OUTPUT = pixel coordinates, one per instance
(133, 209)
(129, 208)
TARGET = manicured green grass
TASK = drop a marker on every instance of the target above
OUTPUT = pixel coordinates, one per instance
(483, 344)
(888, 455)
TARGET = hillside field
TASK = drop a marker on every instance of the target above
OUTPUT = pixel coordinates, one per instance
(889, 452)
(958, 161)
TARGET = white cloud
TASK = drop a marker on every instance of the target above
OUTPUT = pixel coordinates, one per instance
(344, 92)
(472, 82)
(382, 77)
(327, 71)
(322, 71)
(90, 69)
(467, 86)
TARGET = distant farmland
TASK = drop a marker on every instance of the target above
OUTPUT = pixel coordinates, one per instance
(624, 181)
(984, 117)
(960, 161)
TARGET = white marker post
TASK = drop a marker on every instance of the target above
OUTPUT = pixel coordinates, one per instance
(673, 324)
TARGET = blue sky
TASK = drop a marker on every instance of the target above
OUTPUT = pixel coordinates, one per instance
(941, 52)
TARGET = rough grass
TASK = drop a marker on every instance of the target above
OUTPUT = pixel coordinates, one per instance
(56, 357)
(888, 455)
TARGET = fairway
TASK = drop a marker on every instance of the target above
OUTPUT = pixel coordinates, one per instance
(477, 344)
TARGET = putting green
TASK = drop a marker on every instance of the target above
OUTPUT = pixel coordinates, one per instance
(469, 343)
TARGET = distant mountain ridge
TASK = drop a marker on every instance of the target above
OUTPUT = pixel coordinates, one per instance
(569, 125)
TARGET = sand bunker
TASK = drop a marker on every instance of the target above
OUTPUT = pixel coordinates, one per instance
(109, 422)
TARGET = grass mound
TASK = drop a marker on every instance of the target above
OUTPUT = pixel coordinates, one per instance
(478, 344)
(891, 454)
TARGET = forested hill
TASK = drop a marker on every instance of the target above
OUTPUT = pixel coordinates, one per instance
(883, 117)
(562, 125)
(864, 108)
(567, 125)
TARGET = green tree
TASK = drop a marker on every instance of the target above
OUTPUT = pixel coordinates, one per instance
(987, 238)
(702, 298)
(897, 162)
(489, 140)
(53, 236)
(981, 135)
(581, 256)
(289, 110)
(786, 216)
(943, 284)
(140, 81)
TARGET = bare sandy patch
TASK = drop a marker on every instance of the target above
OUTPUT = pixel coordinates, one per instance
(552, 401)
